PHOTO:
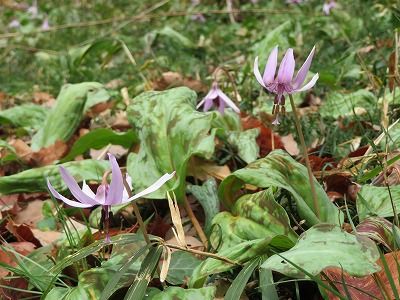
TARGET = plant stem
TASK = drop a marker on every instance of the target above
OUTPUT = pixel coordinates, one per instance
(202, 253)
(195, 222)
(305, 156)
(136, 211)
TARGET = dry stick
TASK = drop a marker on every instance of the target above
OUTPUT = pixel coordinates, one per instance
(195, 222)
(137, 213)
(198, 252)
(305, 155)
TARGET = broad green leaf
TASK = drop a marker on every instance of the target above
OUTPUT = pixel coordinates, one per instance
(170, 132)
(175, 293)
(323, 246)
(337, 104)
(10, 154)
(208, 198)
(245, 142)
(239, 253)
(375, 201)
(99, 138)
(64, 118)
(34, 180)
(181, 266)
(236, 289)
(279, 169)
(28, 116)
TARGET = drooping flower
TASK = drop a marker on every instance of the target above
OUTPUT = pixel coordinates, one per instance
(45, 24)
(326, 8)
(294, 1)
(217, 97)
(284, 83)
(33, 9)
(106, 194)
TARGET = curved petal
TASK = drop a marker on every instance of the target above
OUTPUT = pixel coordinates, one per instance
(302, 73)
(116, 188)
(75, 189)
(257, 73)
(155, 186)
(286, 68)
(309, 85)
(87, 190)
(270, 67)
(208, 103)
(101, 194)
(228, 101)
(65, 200)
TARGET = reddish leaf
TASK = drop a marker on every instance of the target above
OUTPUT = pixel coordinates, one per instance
(377, 229)
(8, 258)
(22, 233)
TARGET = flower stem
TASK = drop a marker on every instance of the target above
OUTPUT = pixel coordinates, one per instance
(195, 222)
(136, 211)
(305, 156)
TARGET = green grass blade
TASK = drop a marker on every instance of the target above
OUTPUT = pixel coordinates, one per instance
(267, 285)
(389, 276)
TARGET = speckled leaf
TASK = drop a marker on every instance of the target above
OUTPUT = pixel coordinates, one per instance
(257, 224)
(323, 246)
(174, 293)
(28, 116)
(278, 169)
(379, 230)
(181, 266)
(208, 198)
(375, 201)
(34, 180)
(65, 116)
(170, 132)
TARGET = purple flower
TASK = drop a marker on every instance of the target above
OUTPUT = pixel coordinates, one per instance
(284, 83)
(326, 8)
(198, 18)
(45, 24)
(106, 194)
(14, 24)
(217, 97)
(33, 9)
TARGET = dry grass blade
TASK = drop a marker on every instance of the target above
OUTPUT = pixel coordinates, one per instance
(167, 254)
(176, 220)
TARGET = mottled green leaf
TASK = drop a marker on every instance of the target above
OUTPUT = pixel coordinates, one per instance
(181, 266)
(379, 230)
(99, 138)
(245, 142)
(28, 116)
(170, 132)
(337, 104)
(208, 198)
(323, 246)
(375, 201)
(64, 118)
(34, 180)
(175, 293)
(279, 169)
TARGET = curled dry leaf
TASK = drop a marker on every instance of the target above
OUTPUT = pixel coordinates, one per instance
(174, 79)
(360, 288)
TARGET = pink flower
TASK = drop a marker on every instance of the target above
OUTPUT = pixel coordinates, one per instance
(326, 8)
(284, 83)
(14, 24)
(45, 24)
(217, 97)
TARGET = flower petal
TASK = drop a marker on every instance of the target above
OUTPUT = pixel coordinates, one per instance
(227, 101)
(302, 73)
(155, 186)
(309, 85)
(65, 200)
(87, 190)
(286, 68)
(257, 73)
(270, 67)
(208, 104)
(75, 189)
(116, 189)
(101, 194)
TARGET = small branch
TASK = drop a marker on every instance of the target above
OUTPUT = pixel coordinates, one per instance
(305, 155)
(195, 222)
(202, 253)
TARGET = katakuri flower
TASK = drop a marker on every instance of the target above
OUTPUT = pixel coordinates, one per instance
(326, 8)
(284, 83)
(106, 194)
(14, 24)
(217, 97)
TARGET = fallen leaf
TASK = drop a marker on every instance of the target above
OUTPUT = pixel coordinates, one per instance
(202, 169)
(43, 98)
(358, 287)
(174, 79)
(48, 155)
(8, 258)
(290, 145)
(30, 214)
(22, 233)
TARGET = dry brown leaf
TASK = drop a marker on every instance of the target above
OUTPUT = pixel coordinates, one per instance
(43, 98)
(290, 144)
(46, 237)
(22, 233)
(8, 258)
(48, 155)
(366, 284)
(174, 79)
(202, 169)
(30, 214)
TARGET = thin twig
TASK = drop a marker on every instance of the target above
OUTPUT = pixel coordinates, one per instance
(208, 254)
(305, 155)
(195, 222)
